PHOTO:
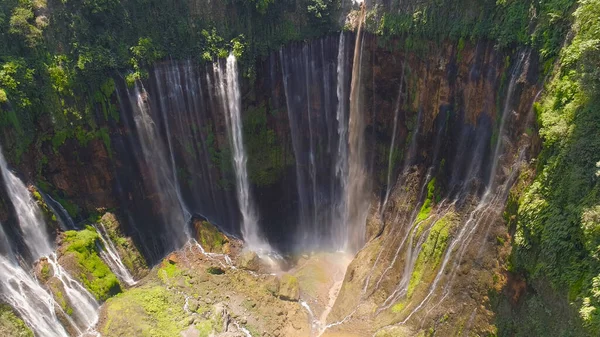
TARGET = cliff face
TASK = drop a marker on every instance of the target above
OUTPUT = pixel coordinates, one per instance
(439, 234)
(438, 107)
(447, 128)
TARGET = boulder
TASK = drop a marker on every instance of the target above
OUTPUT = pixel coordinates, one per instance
(249, 261)
(210, 238)
(289, 289)
(272, 285)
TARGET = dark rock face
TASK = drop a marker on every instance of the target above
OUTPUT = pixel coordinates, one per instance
(436, 109)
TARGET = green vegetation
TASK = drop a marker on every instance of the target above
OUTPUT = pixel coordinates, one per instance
(145, 311)
(541, 24)
(266, 155)
(11, 324)
(49, 216)
(168, 270)
(398, 307)
(45, 272)
(289, 287)
(558, 219)
(58, 58)
(209, 237)
(130, 255)
(95, 275)
(428, 203)
(431, 253)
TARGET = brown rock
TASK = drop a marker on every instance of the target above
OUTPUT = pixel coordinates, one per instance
(289, 289)
(249, 261)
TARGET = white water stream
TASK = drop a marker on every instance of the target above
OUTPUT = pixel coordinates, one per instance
(19, 288)
(229, 92)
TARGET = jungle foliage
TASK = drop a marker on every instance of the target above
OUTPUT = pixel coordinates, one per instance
(59, 58)
(558, 219)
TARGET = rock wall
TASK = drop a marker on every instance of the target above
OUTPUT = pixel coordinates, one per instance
(437, 104)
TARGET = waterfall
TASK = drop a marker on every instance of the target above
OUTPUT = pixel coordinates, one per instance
(358, 192)
(110, 255)
(162, 177)
(505, 113)
(64, 219)
(341, 163)
(229, 93)
(31, 220)
(329, 150)
(299, 153)
(21, 291)
(14, 279)
(391, 154)
(85, 307)
(491, 202)
(313, 72)
(311, 154)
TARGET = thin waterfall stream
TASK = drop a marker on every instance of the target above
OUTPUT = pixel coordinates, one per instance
(358, 189)
(110, 254)
(229, 92)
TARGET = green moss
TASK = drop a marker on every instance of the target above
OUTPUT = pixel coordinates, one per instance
(95, 275)
(11, 324)
(130, 255)
(146, 311)
(205, 328)
(49, 216)
(209, 236)
(398, 307)
(428, 203)
(432, 251)
(289, 287)
(168, 270)
(45, 272)
(253, 330)
(60, 299)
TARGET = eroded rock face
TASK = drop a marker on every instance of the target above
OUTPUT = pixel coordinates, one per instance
(438, 94)
(181, 298)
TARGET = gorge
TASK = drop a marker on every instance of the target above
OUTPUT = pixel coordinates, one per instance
(299, 168)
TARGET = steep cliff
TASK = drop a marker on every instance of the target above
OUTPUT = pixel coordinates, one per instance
(434, 101)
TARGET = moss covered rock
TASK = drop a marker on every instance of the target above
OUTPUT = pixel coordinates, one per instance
(249, 261)
(11, 325)
(128, 251)
(432, 251)
(289, 288)
(211, 239)
(49, 216)
(146, 311)
(79, 255)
